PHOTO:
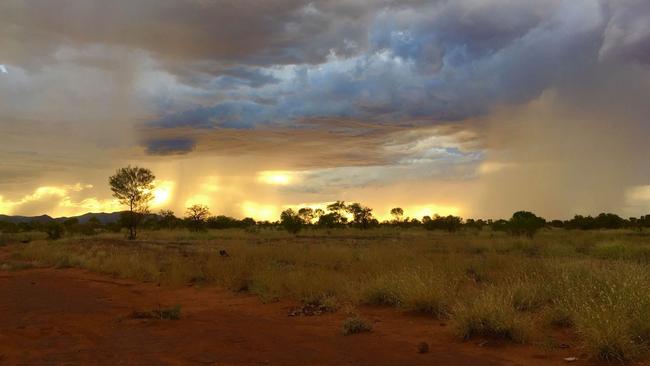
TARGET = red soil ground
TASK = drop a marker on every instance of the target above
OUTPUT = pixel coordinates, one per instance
(73, 317)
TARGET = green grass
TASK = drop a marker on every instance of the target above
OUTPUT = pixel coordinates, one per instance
(491, 314)
(487, 284)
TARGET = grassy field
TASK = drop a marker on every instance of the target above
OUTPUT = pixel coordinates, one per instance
(594, 283)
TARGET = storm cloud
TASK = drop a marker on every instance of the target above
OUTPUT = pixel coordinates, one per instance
(458, 98)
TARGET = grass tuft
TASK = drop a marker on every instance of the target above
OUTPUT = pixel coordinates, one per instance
(355, 325)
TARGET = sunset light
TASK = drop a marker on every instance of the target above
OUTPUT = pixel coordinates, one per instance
(276, 177)
(162, 193)
(241, 182)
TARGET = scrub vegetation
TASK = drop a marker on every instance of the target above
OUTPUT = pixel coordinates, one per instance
(485, 283)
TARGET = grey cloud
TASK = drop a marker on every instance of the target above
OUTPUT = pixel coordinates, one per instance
(627, 36)
(170, 146)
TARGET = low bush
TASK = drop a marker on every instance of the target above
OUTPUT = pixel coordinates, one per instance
(355, 325)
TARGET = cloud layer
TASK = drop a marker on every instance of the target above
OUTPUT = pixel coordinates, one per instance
(489, 105)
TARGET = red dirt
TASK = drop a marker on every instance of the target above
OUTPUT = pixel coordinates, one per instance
(73, 317)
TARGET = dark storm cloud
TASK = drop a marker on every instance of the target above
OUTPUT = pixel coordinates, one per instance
(441, 61)
(225, 31)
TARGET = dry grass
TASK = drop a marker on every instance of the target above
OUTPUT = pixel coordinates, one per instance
(488, 284)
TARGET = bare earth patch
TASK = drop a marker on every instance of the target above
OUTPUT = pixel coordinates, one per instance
(71, 316)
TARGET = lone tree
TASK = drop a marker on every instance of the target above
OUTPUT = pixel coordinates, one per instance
(196, 217)
(397, 214)
(525, 223)
(132, 187)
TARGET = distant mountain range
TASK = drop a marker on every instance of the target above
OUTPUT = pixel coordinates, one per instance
(104, 218)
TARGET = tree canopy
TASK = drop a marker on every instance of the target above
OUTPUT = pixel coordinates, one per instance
(132, 187)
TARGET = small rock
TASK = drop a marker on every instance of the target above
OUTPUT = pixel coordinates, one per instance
(423, 347)
(564, 345)
(571, 359)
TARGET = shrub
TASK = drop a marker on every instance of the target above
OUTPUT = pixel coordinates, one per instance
(384, 291)
(354, 325)
(54, 230)
(525, 223)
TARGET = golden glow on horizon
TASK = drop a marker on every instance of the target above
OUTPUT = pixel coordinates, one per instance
(260, 212)
(162, 193)
(71, 200)
(430, 210)
(198, 199)
(272, 177)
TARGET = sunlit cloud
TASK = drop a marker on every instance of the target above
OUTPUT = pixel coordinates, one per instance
(489, 167)
(281, 178)
(71, 208)
(57, 201)
(198, 199)
(210, 184)
(638, 195)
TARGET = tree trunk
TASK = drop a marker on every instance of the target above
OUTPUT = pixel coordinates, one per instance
(132, 223)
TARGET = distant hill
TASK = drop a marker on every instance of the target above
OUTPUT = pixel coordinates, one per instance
(104, 218)
(25, 219)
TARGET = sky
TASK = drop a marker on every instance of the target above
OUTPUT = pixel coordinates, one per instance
(476, 108)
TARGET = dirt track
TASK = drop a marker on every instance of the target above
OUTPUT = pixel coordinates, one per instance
(73, 317)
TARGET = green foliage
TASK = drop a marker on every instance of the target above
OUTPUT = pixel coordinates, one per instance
(612, 250)
(132, 187)
(54, 230)
(491, 314)
(355, 325)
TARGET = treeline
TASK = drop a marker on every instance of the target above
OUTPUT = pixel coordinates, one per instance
(336, 215)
